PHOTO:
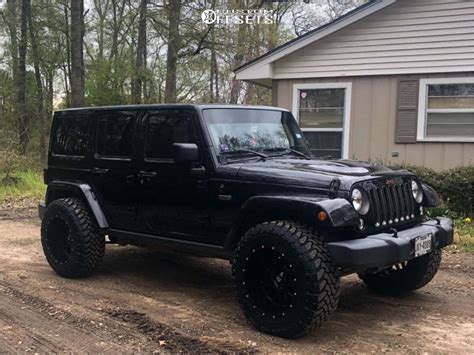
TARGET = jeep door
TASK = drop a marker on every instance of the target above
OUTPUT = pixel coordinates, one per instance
(173, 199)
(113, 167)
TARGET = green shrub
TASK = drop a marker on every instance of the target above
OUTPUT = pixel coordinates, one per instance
(9, 162)
(27, 184)
(455, 188)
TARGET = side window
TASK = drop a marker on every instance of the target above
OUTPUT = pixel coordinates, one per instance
(115, 135)
(165, 129)
(71, 135)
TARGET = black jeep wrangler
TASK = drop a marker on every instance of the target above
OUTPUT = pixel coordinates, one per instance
(238, 183)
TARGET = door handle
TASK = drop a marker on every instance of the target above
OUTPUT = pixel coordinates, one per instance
(99, 171)
(147, 174)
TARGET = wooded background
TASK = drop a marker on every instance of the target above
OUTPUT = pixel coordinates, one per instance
(72, 53)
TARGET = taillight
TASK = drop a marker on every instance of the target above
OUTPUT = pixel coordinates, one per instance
(45, 176)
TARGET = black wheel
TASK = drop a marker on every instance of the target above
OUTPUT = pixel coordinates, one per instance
(70, 238)
(405, 277)
(284, 277)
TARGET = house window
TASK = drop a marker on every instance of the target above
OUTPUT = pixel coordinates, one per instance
(322, 111)
(446, 112)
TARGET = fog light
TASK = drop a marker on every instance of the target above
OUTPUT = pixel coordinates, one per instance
(361, 224)
(421, 210)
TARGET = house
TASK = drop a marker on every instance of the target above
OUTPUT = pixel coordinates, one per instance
(391, 81)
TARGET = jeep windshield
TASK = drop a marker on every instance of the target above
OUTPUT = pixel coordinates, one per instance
(257, 133)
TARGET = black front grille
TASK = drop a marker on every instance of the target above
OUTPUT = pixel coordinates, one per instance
(392, 204)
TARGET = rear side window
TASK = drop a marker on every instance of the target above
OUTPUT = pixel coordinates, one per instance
(70, 135)
(165, 129)
(115, 134)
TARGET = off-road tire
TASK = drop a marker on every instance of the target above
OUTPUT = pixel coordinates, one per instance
(306, 258)
(404, 278)
(70, 238)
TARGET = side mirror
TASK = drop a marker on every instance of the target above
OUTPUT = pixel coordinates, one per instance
(185, 153)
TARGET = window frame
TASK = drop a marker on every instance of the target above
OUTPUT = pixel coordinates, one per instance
(423, 110)
(102, 114)
(146, 120)
(347, 110)
(54, 133)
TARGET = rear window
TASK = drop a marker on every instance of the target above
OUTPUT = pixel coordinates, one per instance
(115, 134)
(70, 135)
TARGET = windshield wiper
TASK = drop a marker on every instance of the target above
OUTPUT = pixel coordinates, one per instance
(239, 151)
(290, 150)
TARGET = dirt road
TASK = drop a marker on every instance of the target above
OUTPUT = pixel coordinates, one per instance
(150, 301)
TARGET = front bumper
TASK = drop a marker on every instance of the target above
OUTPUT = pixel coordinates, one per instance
(385, 249)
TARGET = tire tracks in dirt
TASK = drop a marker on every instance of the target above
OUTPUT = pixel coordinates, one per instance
(118, 328)
(171, 339)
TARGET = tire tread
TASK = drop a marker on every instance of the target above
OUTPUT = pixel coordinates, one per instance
(312, 250)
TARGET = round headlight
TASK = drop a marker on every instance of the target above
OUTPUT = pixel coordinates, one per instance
(417, 191)
(360, 202)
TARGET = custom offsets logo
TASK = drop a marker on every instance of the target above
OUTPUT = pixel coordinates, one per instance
(237, 17)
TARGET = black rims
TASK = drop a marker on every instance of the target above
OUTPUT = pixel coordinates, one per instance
(284, 278)
(71, 240)
(270, 281)
(58, 239)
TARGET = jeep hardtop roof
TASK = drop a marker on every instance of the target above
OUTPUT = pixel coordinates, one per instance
(161, 106)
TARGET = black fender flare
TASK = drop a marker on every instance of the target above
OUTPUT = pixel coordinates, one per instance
(80, 189)
(430, 196)
(340, 213)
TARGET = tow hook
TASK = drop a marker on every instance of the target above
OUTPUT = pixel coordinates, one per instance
(395, 232)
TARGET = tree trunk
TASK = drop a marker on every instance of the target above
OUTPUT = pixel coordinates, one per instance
(11, 20)
(77, 55)
(236, 86)
(174, 41)
(39, 85)
(67, 66)
(140, 63)
(23, 122)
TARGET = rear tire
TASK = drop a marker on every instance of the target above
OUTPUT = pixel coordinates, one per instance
(70, 238)
(284, 278)
(406, 277)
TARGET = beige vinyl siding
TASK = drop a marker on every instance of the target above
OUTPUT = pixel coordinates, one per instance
(408, 37)
(373, 118)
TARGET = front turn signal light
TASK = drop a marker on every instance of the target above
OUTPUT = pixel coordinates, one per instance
(322, 216)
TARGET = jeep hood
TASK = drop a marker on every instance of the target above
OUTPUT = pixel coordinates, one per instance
(311, 173)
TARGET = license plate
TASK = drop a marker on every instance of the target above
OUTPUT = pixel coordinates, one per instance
(423, 244)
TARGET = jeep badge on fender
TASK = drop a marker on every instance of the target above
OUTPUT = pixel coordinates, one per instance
(238, 183)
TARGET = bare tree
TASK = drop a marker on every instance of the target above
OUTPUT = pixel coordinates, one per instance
(174, 43)
(77, 55)
(140, 63)
(39, 84)
(23, 119)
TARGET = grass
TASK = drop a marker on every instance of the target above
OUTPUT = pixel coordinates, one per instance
(463, 235)
(30, 185)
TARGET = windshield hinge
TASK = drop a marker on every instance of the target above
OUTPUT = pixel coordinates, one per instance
(334, 187)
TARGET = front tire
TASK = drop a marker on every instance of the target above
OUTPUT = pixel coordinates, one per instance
(284, 278)
(70, 238)
(406, 277)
